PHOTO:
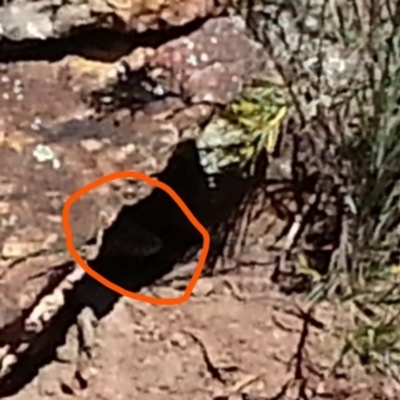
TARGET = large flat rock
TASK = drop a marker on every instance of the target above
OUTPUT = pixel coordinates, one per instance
(40, 20)
(33, 191)
(51, 146)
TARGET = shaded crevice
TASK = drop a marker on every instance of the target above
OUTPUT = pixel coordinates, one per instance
(10, 334)
(94, 44)
(159, 215)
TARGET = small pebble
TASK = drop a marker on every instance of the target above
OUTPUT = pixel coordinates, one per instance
(14, 248)
(178, 339)
(36, 124)
(208, 97)
(4, 207)
(8, 361)
(129, 148)
(106, 99)
(159, 90)
(203, 287)
(4, 350)
(18, 83)
(91, 145)
(9, 222)
(56, 163)
(204, 57)
(112, 74)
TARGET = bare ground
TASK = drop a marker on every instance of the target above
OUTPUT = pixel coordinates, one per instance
(215, 346)
(238, 337)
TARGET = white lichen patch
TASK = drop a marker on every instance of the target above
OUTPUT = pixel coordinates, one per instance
(43, 154)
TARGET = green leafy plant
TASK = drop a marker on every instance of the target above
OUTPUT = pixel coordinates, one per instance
(236, 136)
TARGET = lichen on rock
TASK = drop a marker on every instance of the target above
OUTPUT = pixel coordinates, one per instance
(236, 135)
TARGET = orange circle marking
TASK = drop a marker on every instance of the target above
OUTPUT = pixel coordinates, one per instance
(123, 292)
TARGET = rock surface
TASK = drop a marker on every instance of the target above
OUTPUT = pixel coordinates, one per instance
(40, 20)
(42, 167)
(53, 143)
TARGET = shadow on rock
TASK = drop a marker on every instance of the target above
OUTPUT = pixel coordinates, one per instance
(95, 44)
(159, 216)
